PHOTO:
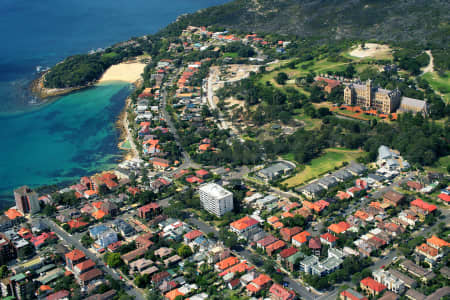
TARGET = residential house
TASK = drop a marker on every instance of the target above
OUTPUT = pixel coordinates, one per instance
(414, 295)
(286, 253)
(74, 257)
(315, 245)
(276, 171)
(83, 267)
(391, 282)
(266, 241)
(312, 190)
(140, 265)
(245, 227)
(350, 294)
(371, 286)
(89, 276)
(287, 233)
(393, 198)
(149, 210)
(339, 228)
(299, 239)
(192, 235)
(415, 185)
(277, 292)
(132, 255)
(328, 239)
(226, 263)
(275, 247)
(417, 271)
(258, 284)
(160, 277)
(327, 182)
(422, 208)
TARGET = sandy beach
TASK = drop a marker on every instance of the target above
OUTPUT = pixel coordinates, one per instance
(127, 71)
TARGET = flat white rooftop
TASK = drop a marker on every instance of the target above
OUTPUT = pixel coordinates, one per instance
(214, 190)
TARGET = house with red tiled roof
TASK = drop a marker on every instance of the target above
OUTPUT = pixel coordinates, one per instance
(259, 283)
(160, 163)
(287, 214)
(299, 239)
(76, 224)
(343, 195)
(350, 294)
(414, 185)
(226, 263)
(89, 276)
(315, 245)
(192, 235)
(204, 147)
(149, 210)
(245, 226)
(339, 228)
(83, 267)
(273, 219)
(422, 208)
(444, 197)
(272, 248)
(371, 286)
(99, 214)
(287, 233)
(193, 179)
(437, 243)
(59, 295)
(134, 190)
(430, 254)
(241, 267)
(328, 84)
(266, 241)
(284, 254)
(202, 173)
(74, 257)
(43, 239)
(328, 239)
(277, 292)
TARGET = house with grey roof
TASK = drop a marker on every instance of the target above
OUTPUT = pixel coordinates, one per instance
(311, 190)
(342, 175)
(356, 168)
(276, 170)
(327, 182)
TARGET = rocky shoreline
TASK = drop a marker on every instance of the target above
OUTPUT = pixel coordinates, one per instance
(38, 89)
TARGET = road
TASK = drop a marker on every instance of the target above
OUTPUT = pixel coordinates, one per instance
(187, 162)
(76, 243)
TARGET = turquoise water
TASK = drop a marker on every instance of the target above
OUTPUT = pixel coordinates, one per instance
(63, 140)
(75, 135)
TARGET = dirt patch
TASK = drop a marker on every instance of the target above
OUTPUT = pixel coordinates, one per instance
(372, 50)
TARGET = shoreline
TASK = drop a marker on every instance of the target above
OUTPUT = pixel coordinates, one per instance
(123, 126)
(129, 71)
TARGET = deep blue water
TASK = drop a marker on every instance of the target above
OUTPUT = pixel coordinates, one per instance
(74, 135)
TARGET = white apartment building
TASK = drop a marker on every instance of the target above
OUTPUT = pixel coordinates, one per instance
(390, 281)
(215, 199)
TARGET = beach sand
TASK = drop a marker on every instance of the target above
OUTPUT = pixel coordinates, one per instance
(127, 71)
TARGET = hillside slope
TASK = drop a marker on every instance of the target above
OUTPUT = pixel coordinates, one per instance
(423, 21)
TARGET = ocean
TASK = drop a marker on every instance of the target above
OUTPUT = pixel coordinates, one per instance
(75, 135)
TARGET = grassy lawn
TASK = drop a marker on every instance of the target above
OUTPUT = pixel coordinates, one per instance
(230, 54)
(441, 165)
(310, 123)
(333, 157)
(439, 84)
